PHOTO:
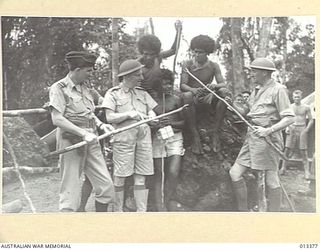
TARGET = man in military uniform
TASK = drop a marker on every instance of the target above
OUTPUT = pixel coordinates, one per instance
(270, 113)
(132, 150)
(72, 111)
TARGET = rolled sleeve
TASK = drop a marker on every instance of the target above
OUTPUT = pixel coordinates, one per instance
(150, 102)
(109, 101)
(283, 103)
(57, 99)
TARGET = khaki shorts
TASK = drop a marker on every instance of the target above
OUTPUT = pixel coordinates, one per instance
(257, 154)
(296, 139)
(132, 152)
(166, 148)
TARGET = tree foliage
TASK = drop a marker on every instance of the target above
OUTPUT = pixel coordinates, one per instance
(34, 50)
(290, 45)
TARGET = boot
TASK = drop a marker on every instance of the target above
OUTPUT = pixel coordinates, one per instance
(141, 197)
(119, 196)
(101, 207)
(240, 191)
(274, 199)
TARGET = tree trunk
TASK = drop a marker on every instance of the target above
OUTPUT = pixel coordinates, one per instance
(237, 56)
(115, 51)
(264, 37)
(5, 91)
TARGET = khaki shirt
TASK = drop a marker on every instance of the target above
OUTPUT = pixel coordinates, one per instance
(72, 100)
(269, 104)
(121, 99)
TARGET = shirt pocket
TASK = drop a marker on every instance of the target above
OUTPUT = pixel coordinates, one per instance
(76, 104)
(266, 105)
(123, 105)
(141, 105)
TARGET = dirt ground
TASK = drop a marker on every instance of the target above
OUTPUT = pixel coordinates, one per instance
(43, 190)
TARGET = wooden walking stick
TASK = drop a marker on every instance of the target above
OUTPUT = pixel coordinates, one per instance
(116, 131)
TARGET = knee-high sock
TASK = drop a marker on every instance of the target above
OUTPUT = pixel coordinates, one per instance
(240, 191)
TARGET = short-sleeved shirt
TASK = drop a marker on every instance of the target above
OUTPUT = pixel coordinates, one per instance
(205, 73)
(121, 99)
(269, 104)
(72, 100)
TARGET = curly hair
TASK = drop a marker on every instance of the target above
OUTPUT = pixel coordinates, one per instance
(149, 42)
(167, 74)
(203, 42)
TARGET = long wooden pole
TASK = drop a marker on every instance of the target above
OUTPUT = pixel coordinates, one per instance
(116, 131)
(267, 139)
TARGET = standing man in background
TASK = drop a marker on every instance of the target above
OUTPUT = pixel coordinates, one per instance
(298, 132)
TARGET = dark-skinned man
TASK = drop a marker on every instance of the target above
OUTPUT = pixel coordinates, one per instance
(197, 97)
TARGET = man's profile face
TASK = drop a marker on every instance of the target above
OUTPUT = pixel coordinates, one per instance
(82, 74)
(134, 79)
(257, 75)
(148, 57)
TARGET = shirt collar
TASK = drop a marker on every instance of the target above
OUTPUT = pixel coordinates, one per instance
(71, 84)
(126, 89)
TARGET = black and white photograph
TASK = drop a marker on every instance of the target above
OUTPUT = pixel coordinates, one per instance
(158, 114)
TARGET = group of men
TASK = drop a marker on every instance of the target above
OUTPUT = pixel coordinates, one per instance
(145, 91)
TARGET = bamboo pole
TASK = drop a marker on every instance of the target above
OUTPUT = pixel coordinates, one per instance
(20, 112)
(116, 131)
(29, 170)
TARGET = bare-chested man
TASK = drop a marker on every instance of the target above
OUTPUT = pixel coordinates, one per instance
(171, 149)
(298, 131)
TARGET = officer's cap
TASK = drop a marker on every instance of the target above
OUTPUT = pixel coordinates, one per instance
(81, 59)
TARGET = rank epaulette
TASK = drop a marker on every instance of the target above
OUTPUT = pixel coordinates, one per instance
(114, 88)
(62, 84)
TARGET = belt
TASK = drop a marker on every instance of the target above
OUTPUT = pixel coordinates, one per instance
(83, 122)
